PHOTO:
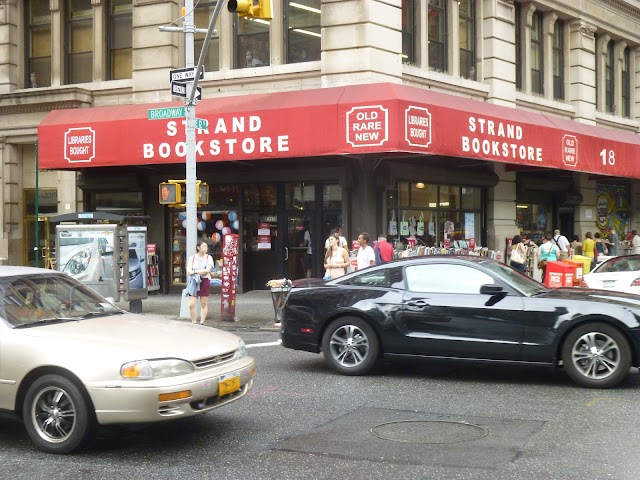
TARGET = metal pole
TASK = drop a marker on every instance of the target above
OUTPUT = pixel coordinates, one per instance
(37, 232)
(190, 131)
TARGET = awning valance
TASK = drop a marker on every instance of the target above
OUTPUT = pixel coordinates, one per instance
(358, 119)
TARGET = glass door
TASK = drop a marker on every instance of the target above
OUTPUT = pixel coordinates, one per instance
(299, 246)
(39, 252)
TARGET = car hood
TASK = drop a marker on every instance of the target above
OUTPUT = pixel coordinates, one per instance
(595, 295)
(132, 336)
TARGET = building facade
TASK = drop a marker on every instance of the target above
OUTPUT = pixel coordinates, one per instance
(446, 120)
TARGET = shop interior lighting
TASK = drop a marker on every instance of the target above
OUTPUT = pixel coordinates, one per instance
(261, 20)
(307, 32)
(304, 7)
(419, 185)
(522, 206)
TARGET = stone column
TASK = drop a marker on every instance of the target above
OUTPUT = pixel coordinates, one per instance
(501, 208)
(100, 37)
(57, 44)
(585, 214)
(8, 46)
(154, 52)
(276, 34)
(227, 39)
(582, 71)
(453, 29)
(601, 62)
(548, 30)
(618, 58)
(4, 227)
(526, 21)
(422, 34)
(361, 42)
(499, 51)
(633, 82)
(363, 213)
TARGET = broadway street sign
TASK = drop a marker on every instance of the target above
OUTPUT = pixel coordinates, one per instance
(164, 113)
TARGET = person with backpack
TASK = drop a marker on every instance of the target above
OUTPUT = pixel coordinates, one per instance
(383, 250)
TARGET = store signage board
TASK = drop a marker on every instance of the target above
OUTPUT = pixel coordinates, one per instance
(164, 113)
(179, 89)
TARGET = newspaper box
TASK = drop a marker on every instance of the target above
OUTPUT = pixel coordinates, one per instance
(586, 261)
(559, 274)
(579, 266)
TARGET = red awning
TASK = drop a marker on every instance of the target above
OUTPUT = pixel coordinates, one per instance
(343, 120)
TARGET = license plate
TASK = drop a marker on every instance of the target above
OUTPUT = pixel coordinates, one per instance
(228, 385)
(609, 283)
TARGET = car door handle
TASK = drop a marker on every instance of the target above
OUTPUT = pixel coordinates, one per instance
(417, 305)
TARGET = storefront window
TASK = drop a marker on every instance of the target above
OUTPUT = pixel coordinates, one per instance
(120, 203)
(300, 196)
(331, 196)
(434, 213)
(259, 197)
(534, 220)
(47, 201)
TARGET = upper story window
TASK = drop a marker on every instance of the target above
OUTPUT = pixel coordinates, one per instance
(558, 61)
(202, 16)
(467, 38)
(408, 31)
(252, 42)
(537, 56)
(437, 13)
(303, 30)
(120, 39)
(626, 83)
(38, 41)
(609, 92)
(79, 46)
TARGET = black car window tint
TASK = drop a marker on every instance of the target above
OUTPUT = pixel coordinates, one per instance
(446, 278)
(377, 278)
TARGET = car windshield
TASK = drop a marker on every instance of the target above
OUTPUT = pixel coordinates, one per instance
(526, 285)
(27, 300)
(619, 264)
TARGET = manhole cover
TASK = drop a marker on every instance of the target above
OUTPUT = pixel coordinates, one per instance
(429, 431)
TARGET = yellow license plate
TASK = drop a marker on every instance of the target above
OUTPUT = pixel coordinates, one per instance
(228, 385)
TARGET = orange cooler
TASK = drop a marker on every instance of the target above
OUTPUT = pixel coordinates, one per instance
(579, 266)
(559, 274)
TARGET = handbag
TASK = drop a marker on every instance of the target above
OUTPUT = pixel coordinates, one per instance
(516, 255)
(542, 264)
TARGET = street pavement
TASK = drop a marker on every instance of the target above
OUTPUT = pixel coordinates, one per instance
(254, 310)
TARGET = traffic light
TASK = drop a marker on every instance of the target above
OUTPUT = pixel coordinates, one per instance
(203, 194)
(251, 8)
(169, 193)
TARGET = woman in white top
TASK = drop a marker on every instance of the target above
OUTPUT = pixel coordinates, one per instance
(336, 259)
(200, 264)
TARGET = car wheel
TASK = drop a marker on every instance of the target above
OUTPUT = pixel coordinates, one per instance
(350, 346)
(56, 415)
(596, 355)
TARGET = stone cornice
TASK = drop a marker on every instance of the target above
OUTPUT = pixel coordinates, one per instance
(623, 7)
(44, 100)
(39, 107)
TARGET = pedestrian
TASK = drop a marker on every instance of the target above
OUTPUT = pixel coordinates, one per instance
(517, 254)
(600, 245)
(384, 249)
(635, 242)
(548, 252)
(306, 242)
(532, 251)
(562, 243)
(366, 255)
(336, 259)
(200, 265)
(342, 242)
(589, 246)
(614, 242)
(576, 244)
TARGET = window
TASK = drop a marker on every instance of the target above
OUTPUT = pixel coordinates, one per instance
(252, 42)
(446, 278)
(120, 39)
(202, 16)
(558, 61)
(303, 31)
(626, 84)
(537, 57)
(79, 41)
(467, 38)
(38, 31)
(518, 13)
(437, 18)
(408, 31)
(609, 79)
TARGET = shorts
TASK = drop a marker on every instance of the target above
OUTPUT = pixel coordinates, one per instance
(205, 288)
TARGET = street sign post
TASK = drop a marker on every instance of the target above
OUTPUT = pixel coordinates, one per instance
(179, 89)
(164, 113)
(184, 74)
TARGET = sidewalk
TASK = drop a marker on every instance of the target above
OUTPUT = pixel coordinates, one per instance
(253, 309)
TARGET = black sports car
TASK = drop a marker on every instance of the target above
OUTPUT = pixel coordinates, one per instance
(468, 308)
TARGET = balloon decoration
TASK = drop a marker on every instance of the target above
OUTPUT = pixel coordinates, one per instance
(182, 216)
(233, 216)
(184, 224)
(219, 224)
(236, 225)
(202, 226)
(215, 237)
(206, 215)
(226, 230)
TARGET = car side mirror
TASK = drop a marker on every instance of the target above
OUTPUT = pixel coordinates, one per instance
(491, 289)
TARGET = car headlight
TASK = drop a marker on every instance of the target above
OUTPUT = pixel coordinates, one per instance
(241, 351)
(150, 369)
(79, 262)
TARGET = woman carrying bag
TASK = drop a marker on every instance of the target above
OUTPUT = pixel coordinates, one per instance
(548, 253)
(517, 254)
(200, 266)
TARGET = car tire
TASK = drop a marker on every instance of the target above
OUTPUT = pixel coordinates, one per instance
(350, 346)
(56, 415)
(602, 368)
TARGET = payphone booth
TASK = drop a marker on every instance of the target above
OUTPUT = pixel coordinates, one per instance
(108, 257)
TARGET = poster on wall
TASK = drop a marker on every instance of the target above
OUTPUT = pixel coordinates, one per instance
(137, 257)
(612, 208)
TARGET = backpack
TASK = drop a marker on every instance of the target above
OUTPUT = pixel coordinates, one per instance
(376, 252)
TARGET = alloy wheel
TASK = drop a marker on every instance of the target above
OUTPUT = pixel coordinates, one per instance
(595, 355)
(349, 346)
(54, 414)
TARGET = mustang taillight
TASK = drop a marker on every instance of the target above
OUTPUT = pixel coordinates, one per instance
(636, 282)
(306, 330)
